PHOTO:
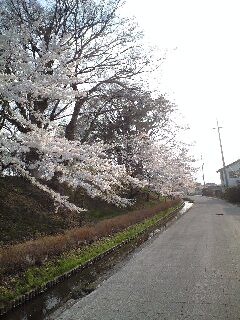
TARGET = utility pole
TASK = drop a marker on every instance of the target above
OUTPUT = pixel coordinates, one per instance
(203, 176)
(223, 161)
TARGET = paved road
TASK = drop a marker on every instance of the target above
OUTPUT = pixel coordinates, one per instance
(190, 271)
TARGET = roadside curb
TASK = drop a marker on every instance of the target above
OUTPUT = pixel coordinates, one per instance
(161, 223)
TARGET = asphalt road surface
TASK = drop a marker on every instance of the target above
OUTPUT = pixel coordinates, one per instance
(190, 271)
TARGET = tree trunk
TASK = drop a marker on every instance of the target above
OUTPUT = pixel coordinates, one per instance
(72, 125)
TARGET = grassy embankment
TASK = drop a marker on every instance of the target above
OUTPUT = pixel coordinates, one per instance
(37, 276)
(27, 213)
(39, 245)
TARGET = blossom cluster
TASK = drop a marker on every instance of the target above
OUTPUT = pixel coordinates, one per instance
(79, 165)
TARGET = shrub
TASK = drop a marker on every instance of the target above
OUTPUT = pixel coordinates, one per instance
(232, 194)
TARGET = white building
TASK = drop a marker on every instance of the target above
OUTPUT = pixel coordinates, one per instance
(233, 174)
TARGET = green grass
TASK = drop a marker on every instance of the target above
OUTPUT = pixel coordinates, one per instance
(38, 276)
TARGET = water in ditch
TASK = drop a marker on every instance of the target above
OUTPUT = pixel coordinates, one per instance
(80, 284)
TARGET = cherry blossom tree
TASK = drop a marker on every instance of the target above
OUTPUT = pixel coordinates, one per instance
(120, 119)
(53, 57)
(62, 54)
(69, 103)
(166, 170)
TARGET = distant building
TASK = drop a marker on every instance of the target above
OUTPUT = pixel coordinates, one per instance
(210, 184)
(233, 174)
(212, 190)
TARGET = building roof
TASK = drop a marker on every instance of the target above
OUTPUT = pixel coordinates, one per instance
(229, 165)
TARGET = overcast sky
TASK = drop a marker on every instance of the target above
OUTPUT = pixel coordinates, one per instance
(201, 73)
